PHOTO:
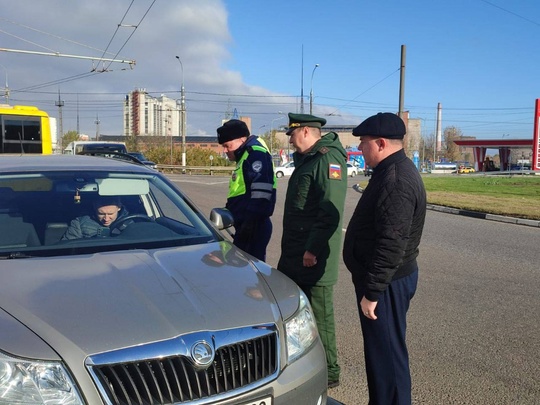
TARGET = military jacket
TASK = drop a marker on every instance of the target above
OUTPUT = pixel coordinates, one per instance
(313, 213)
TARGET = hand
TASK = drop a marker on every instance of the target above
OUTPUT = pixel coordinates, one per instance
(309, 259)
(246, 231)
(368, 308)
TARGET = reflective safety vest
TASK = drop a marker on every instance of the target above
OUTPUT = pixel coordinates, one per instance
(237, 183)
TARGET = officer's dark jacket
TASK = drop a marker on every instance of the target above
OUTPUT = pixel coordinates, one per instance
(313, 213)
(258, 199)
(382, 238)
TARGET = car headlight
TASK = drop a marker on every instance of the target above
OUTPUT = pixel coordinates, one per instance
(301, 330)
(35, 382)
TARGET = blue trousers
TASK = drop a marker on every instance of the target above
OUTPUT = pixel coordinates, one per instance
(385, 347)
(256, 246)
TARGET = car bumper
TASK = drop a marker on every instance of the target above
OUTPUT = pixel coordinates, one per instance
(302, 383)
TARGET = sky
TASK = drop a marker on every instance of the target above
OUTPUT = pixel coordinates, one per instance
(476, 58)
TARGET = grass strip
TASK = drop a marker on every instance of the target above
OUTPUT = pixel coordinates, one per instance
(514, 196)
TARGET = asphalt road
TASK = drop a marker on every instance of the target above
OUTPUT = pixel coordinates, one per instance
(474, 324)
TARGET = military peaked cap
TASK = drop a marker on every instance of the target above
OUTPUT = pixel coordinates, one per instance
(304, 120)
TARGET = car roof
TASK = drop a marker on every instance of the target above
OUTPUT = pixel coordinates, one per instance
(39, 163)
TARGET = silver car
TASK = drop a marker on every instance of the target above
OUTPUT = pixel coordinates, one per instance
(160, 308)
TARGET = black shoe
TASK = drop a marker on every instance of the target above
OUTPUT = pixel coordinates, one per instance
(333, 384)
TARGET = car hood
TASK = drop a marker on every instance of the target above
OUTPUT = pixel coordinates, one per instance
(87, 304)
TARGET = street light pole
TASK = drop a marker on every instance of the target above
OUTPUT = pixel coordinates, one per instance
(183, 115)
(311, 90)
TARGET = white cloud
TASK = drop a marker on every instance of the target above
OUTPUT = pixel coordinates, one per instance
(196, 30)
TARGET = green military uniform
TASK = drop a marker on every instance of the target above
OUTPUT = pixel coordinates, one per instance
(312, 221)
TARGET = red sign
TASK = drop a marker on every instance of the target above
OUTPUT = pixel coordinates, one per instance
(536, 138)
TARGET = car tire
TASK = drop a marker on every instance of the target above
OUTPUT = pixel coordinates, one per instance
(353, 174)
(279, 174)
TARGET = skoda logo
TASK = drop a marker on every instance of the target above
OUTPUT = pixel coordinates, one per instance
(202, 353)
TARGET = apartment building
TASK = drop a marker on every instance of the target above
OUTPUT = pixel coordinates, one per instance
(145, 115)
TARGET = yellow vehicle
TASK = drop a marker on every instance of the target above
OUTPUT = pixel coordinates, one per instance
(465, 169)
(25, 130)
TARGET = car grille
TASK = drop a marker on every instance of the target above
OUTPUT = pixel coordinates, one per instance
(177, 379)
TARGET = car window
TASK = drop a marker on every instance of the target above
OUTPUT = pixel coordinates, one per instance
(54, 213)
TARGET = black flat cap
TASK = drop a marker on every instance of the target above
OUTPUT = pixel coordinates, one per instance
(304, 120)
(232, 129)
(383, 125)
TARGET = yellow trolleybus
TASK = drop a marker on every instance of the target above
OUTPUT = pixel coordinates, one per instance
(25, 129)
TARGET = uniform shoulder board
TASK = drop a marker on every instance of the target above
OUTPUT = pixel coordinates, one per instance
(324, 150)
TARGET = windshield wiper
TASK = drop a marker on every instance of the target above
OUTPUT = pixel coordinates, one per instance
(15, 255)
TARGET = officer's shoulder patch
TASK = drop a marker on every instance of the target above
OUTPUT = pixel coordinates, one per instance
(324, 150)
(257, 166)
(334, 171)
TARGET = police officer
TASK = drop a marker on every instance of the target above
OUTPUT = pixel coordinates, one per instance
(313, 214)
(252, 187)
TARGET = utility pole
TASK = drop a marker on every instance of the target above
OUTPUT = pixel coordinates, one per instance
(402, 81)
(6, 88)
(302, 84)
(183, 115)
(78, 132)
(60, 104)
(97, 127)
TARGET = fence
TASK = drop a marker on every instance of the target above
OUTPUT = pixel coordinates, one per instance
(209, 170)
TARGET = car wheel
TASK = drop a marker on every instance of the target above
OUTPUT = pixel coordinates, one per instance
(353, 174)
(279, 174)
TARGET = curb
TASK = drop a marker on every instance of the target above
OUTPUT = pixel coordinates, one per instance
(483, 215)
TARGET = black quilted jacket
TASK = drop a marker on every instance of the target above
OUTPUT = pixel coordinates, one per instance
(381, 243)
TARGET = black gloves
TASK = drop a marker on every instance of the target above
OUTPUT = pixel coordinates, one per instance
(246, 231)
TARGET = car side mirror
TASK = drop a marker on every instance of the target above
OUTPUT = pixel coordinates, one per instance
(221, 218)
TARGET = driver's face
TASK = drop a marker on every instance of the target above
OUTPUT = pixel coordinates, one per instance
(107, 214)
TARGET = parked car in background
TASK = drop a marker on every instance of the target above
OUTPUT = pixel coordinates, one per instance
(368, 171)
(286, 170)
(140, 156)
(466, 169)
(81, 147)
(352, 170)
(158, 308)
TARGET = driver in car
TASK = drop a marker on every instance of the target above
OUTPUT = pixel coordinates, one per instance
(107, 210)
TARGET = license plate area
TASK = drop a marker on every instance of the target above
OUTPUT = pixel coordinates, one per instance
(261, 401)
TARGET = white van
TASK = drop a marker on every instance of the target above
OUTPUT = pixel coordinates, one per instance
(77, 147)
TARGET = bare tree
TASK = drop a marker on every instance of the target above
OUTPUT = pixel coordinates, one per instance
(452, 152)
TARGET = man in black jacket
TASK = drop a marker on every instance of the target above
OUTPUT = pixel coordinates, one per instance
(380, 251)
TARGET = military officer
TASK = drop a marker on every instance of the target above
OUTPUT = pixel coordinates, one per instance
(313, 214)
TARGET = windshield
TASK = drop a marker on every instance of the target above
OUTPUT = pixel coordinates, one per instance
(138, 155)
(63, 213)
